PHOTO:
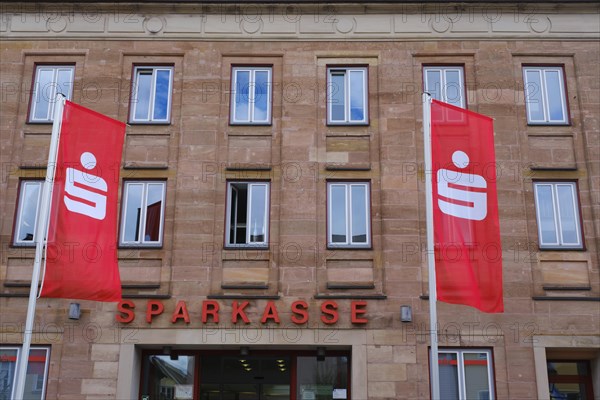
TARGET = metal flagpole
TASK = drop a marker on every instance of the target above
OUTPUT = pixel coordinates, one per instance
(434, 369)
(40, 241)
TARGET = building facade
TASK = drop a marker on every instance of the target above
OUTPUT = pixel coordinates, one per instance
(272, 224)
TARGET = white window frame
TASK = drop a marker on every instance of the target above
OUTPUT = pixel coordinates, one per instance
(233, 208)
(134, 99)
(142, 242)
(53, 90)
(544, 91)
(347, 94)
(462, 386)
(251, 95)
(36, 389)
(20, 209)
(560, 244)
(348, 197)
(443, 70)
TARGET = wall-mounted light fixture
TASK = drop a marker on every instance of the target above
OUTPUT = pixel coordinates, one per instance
(406, 313)
(320, 353)
(74, 311)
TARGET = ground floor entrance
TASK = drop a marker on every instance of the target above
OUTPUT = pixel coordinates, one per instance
(245, 374)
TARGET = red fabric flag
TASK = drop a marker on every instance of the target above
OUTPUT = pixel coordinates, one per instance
(82, 238)
(465, 209)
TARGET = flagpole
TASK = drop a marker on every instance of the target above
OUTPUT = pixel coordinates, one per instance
(434, 364)
(40, 240)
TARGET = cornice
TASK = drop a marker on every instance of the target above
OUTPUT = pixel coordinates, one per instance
(268, 22)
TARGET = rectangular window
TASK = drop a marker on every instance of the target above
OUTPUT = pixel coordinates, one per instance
(48, 82)
(349, 214)
(466, 374)
(251, 95)
(151, 97)
(30, 193)
(247, 214)
(545, 97)
(143, 213)
(557, 211)
(347, 96)
(570, 379)
(445, 84)
(37, 372)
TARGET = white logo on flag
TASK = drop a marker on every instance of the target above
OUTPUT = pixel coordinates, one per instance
(97, 208)
(476, 209)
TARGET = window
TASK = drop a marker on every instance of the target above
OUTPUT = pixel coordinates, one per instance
(466, 374)
(349, 214)
(570, 380)
(445, 84)
(247, 214)
(251, 95)
(49, 80)
(347, 96)
(545, 97)
(557, 210)
(30, 193)
(143, 213)
(151, 97)
(37, 372)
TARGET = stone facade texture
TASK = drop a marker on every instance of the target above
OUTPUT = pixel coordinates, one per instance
(551, 297)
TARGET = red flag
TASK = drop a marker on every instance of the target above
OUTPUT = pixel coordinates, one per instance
(82, 239)
(465, 209)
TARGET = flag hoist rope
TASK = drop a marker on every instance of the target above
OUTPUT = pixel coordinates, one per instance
(434, 363)
(40, 242)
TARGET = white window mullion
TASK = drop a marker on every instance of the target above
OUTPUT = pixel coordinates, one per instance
(249, 212)
(348, 190)
(462, 390)
(252, 94)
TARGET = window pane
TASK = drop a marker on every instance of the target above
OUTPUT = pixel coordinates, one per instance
(8, 363)
(142, 95)
(65, 82)
(476, 376)
(162, 92)
(453, 89)
(533, 95)
(359, 213)
(433, 83)
(568, 368)
(30, 198)
(448, 376)
(322, 380)
(238, 209)
(566, 211)
(153, 212)
(242, 99)
(44, 91)
(568, 391)
(554, 96)
(131, 227)
(257, 213)
(261, 96)
(167, 379)
(337, 97)
(357, 93)
(546, 217)
(338, 214)
(34, 380)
